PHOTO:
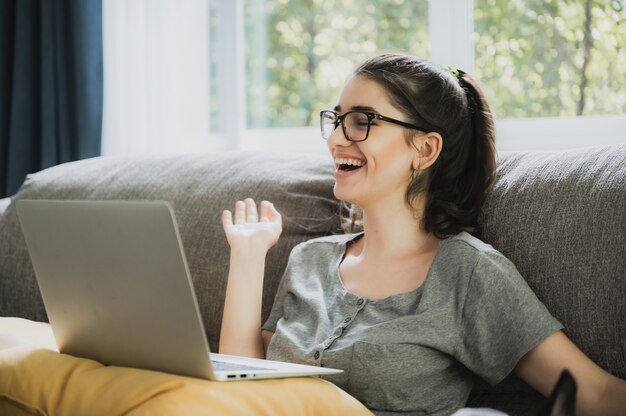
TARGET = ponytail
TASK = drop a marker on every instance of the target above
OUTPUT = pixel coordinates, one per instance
(480, 172)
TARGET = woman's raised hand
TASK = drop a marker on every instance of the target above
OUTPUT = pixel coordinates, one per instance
(250, 236)
(248, 230)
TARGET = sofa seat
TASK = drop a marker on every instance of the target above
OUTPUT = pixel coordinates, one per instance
(35, 379)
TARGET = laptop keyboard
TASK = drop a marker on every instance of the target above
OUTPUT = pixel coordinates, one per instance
(224, 366)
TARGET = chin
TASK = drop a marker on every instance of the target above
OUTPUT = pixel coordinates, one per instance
(345, 195)
(340, 194)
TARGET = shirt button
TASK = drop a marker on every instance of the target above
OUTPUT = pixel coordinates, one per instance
(316, 355)
(348, 319)
(359, 302)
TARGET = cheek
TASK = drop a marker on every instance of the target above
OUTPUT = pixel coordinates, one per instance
(396, 160)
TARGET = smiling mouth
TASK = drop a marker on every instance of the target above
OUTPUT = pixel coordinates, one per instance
(347, 165)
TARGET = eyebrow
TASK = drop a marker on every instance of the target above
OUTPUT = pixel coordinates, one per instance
(357, 108)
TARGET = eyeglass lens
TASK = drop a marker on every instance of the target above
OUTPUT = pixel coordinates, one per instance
(355, 125)
(329, 122)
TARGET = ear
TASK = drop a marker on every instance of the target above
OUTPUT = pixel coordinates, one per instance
(428, 148)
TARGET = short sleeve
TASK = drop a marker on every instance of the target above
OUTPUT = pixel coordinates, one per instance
(502, 319)
(277, 311)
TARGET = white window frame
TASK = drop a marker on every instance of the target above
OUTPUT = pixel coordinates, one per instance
(451, 33)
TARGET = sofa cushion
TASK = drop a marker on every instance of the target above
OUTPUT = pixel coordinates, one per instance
(44, 382)
(561, 218)
(199, 187)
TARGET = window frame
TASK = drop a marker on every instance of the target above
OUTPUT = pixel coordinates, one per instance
(451, 29)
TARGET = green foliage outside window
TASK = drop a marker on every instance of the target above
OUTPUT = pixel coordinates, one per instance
(551, 58)
(300, 52)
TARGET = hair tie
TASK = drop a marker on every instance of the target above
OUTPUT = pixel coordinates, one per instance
(469, 91)
(453, 71)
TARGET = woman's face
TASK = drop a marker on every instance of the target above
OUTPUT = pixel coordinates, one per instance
(385, 157)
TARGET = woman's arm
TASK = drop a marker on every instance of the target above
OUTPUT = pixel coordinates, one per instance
(267, 338)
(598, 393)
(250, 237)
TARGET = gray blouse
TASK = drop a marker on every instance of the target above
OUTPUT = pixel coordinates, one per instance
(413, 353)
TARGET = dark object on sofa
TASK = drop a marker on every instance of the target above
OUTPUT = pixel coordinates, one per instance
(562, 401)
(559, 216)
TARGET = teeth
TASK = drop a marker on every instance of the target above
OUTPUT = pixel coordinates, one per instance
(353, 162)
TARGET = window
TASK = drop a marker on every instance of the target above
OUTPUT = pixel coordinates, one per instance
(539, 58)
(528, 55)
(269, 66)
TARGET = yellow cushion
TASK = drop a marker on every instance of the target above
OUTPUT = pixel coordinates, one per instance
(35, 380)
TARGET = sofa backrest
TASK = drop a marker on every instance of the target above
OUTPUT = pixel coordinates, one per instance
(199, 187)
(561, 218)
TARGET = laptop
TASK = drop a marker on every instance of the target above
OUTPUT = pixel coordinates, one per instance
(117, 289)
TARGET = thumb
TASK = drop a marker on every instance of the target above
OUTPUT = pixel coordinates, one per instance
(269, 212)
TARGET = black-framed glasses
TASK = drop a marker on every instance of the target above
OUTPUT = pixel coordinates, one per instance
(355, 124)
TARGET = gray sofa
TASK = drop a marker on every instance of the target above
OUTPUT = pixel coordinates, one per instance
(559, 216)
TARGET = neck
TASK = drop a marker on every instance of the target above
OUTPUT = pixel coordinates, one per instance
(397, 235)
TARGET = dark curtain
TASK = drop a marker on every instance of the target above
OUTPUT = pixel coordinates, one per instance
(50, 85)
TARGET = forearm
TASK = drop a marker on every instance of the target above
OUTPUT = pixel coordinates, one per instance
(598, 392)
(241, 322)
(611, 400)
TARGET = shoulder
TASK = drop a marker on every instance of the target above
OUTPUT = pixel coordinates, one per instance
(334, 239)
(470, 264)
(468, 250)
(326, 243)
(319, 253)
(313, 264)
(484, 274)
(465, 242)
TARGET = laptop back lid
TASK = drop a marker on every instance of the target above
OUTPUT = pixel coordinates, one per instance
(115, 283)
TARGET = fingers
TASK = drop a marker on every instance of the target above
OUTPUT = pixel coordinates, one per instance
(240, 212)
(265, 207)
(227, 219)
(251, 212)
(240, 217)
(246, 212)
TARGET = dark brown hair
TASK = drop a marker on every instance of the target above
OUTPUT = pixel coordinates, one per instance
(451, 103)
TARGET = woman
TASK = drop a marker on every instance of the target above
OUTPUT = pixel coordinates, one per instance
(415, 306)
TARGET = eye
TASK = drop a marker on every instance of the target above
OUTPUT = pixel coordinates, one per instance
(357, 121)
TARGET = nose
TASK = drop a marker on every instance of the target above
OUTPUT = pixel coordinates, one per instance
(337, 138)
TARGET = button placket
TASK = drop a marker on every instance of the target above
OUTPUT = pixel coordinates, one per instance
(344, 324)
(360, 303)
